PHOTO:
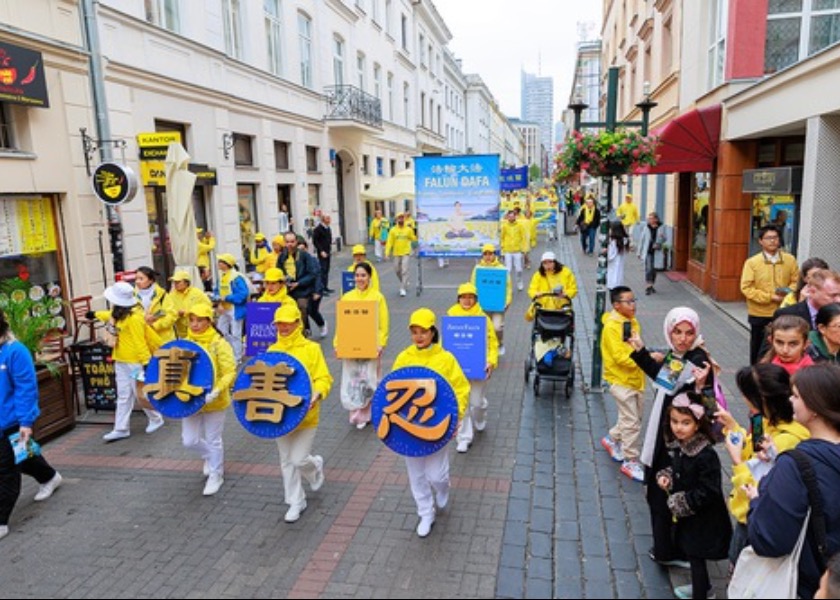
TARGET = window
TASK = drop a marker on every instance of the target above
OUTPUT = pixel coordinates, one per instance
(717, 43)
(360, 70)
(422, 109)
(365, 164)
(164, 13)
(374, 10)
(422, 46)
(314, 197)
(390, 96)
(700, 195)
(233, 28)
(7, 138)
(380, 166)
(312, 159)
(246, 194)
(406, 101)
(305, 39)
(393, 167)
(274, 35)
(404, 32)
(243, 150)
(797, 29)
(389, 9)
(338, 60)
(377, 81)
(281, 155)
(667, 48)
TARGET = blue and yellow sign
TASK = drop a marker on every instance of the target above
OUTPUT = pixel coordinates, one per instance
(178, 378)
(415, 411)
(272, 394)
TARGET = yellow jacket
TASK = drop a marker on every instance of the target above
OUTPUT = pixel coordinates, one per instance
(182, 302)
(312, 358)
(224, 366)
(165, 312)
(399, 241)
(374, 277)
(205, 247)
(543, 284)
(444, 364)
(456, 310)
(760, 279)
(785, 436)
(136, 340)
(281, 296)
(514, 238)
(495, 264)
(262, 259)
(371, 295)
(619, 368)
(375, 229)
(530, 228)
(628, 213)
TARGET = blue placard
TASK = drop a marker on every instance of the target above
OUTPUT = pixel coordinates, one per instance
(259, 326)
(348, 281)
(491, 284)
(466, 338)
(414, 411)
(513, 179)
(178, 377)
(272, 394)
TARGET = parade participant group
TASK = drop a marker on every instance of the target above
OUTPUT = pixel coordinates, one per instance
(427, 402)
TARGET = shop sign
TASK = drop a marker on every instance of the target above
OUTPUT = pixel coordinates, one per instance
(22, 79)
(780, 180)
(204, 174)
(113, 183)
(153, 149)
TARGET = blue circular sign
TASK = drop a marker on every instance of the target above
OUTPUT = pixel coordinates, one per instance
(414, 411)
(272, 394)
(176, 383)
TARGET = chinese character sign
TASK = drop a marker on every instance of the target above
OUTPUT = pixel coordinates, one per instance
(466, 339)
(272, 394)
(178, 377)
(514, 179)
(492, 288)
(414, 411)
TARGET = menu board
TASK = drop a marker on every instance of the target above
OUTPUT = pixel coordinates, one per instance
(27, 225)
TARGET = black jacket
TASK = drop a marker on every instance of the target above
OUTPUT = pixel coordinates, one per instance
(596, 219)
(800, 309)
(306, 273)
(322, 239)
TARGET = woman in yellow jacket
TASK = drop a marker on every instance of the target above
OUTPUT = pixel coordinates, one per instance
(202, 431)
(555, 280)
(296, 459)
(367, 371)
(360, 256)
(160, 313)
(275, 287)
(431, 473)
(489, 260)
(136, 342)
(206, 244)
(475, 418)
(183, 297)
(261, 256)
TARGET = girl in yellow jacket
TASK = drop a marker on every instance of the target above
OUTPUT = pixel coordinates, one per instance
(370, 368)
(296, 459)
(183, 297)
(360, 256)
(431, 473)
(475, 418)
(160, 313)
(555, 280)
(489, 260)
(136, 342)
(275, 286)
(202, 431)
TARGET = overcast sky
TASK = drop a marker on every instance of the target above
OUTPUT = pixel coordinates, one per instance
(498, 38)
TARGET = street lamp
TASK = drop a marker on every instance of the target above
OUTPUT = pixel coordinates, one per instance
(605, 200)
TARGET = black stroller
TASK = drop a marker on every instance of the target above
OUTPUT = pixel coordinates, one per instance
(552, 347)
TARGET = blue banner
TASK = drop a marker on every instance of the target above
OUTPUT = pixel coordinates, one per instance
(414, 411)
(259, 326)
(457, 204)
(514, 179)
(178, 377)
(348, 281)
(491, 284)
(466, 338)
(272, 394)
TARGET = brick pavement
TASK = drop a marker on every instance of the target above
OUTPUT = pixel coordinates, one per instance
(537, 508)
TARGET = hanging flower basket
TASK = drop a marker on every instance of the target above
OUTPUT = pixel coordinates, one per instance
(605, 154)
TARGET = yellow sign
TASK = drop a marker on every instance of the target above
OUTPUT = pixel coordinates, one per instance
(36, 226)
(161, 138)
(357, 329)
(153, 172)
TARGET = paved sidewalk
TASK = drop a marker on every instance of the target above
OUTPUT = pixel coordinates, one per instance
(537, 509)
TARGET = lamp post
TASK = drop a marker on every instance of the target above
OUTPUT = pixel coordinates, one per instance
(605, 200)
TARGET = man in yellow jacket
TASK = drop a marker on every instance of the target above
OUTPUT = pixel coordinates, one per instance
(399, 243)
(628, 213)
(375, 234)
(514, 243)
(206, 244)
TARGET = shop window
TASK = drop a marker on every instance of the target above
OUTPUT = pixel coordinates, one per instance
(774, 209)
(281, 155)
(700, 188)
(7, 139)
(246, 193)
(243, 150)
(312, 159)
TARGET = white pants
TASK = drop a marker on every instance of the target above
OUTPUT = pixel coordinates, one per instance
(513, 260)
(476, 411)
(127, 394)
(378, 249)
(426, 473)
(401, 269)
(296, 460)
(498, 320)
(231, 328)
(209, 445)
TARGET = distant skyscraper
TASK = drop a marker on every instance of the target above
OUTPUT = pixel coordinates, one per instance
(538, 105)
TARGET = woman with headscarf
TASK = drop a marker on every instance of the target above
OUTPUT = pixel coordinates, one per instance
(686, 366)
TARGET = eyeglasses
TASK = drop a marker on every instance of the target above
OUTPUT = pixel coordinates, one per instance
(630, 301)
(770, 237)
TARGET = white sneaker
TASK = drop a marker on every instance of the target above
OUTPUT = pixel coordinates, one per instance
(519, 286)
(154, 425)
(634, 470)
(501, 350)
(205, 470)
(361, 425)
(442, 499)
(113, 436)
(319, 474)
(424, 527)
(214, 482)
(325, 330)
(402, 291)
(463, 446)
(4, 531)
(293, 514)
(46, 490)
(480, 425)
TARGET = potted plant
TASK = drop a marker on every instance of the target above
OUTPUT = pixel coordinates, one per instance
(605, 153)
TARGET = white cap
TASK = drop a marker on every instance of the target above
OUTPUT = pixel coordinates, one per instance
(121, 294)
(548, 256)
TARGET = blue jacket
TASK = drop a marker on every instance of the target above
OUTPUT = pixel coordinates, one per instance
(18, 387)
(238, 296)
(776, 515)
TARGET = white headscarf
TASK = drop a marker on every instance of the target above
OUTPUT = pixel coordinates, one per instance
(682, 314)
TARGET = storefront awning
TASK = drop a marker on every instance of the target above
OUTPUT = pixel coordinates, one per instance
(689, 143)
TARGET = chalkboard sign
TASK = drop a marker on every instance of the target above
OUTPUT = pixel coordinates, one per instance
(99, 381)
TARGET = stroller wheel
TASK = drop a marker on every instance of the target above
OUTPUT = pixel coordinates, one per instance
(536, 385)
(527, 369)
(568, 388)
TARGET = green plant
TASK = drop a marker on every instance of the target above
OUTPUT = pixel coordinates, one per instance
(33, 314)
(605, 153)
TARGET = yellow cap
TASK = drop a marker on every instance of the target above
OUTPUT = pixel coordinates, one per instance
(202, 310)
(278, 239)
(488, 248)
(287, 313)
(180, 276)
(198, 230)
(359, 249)
(422, 317)
(228, 259)
(274, 274)
(259, 236)
(467, 288)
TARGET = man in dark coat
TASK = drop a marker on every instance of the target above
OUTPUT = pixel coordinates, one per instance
(322, 241)
(301, 272)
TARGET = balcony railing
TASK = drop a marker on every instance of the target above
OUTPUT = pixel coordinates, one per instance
(347, 102)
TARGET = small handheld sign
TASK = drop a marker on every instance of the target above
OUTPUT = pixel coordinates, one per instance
(178, 378)
(272, 394)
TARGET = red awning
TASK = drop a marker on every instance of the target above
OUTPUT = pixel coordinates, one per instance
(689, 143)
